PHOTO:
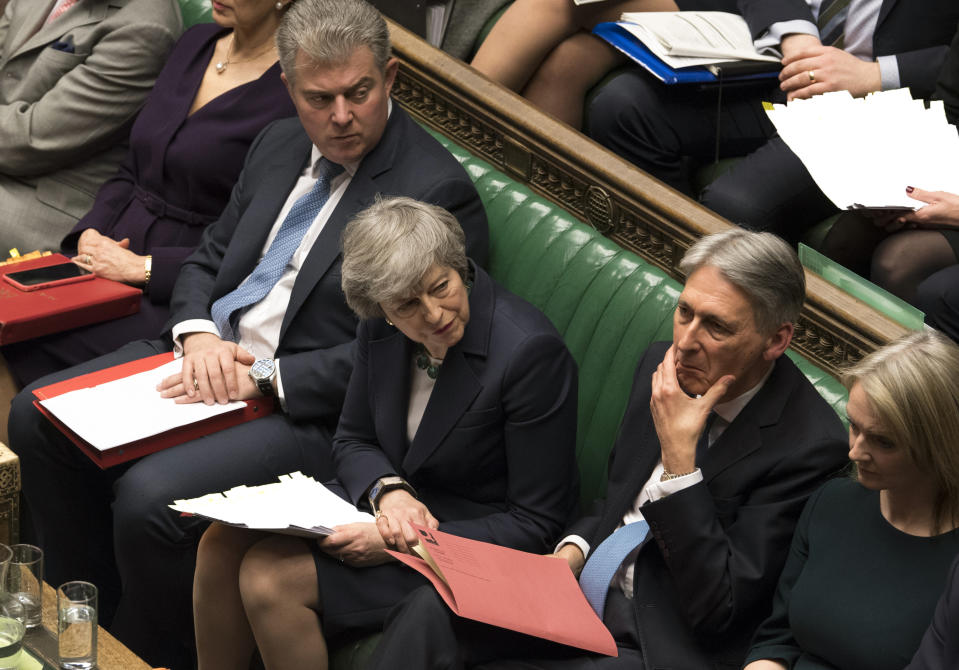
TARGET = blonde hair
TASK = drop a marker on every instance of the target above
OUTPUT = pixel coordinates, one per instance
(912, 385)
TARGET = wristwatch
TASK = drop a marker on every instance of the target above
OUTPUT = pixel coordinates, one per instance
(384, 484)
(262, 373)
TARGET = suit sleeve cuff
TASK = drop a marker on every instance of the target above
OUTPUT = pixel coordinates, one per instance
(280, 395)
(574, 539)
(769, 41)
(659, 490)
(889, 71)
(187, 327)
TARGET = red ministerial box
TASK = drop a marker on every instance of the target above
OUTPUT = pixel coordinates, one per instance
(28, 314)
(255, 409)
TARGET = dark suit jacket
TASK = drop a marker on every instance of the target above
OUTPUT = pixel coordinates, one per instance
(494, 455)
(316, 337)
(939, 648)
(706, 579)
(917, 32)
(947, 88)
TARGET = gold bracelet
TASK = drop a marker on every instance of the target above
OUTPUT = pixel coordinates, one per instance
(147, 270)
(667, 475)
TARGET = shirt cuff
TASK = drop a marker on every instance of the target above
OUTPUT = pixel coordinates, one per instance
(769, 41)
(279, 386)
(889, 71)
(190, 326)
(659, 490)
(574, 539)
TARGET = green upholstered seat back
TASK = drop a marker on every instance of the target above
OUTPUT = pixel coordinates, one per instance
(195, 11)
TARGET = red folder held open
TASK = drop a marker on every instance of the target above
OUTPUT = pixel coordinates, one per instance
(255, 408)
(28, 314)
(529, 593)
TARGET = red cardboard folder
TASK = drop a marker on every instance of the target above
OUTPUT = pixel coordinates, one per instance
(529, 593)
(28, 314)
(255, 408)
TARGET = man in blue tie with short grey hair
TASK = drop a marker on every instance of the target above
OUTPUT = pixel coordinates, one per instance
(257, 310)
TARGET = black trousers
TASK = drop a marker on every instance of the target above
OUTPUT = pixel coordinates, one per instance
(938, 297)
(422, 632)
(113, 527)
(659, 127)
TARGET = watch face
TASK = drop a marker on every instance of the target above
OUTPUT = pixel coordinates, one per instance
(262, 369)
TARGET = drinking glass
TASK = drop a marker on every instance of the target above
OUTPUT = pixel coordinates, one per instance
(77, 625)
(25, 581)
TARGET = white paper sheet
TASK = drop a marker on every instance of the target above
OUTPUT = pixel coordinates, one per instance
(864, 152)
(129, 409)
(297, 505)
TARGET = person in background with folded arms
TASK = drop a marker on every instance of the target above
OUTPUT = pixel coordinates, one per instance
(460, 415)
(217, 91)
(262, 287)
(870, 555)
(722, 442)
(73, 74)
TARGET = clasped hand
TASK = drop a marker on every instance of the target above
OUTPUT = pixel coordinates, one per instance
(107, 258)
(809, 68)
(365, 544)
(220, 370)
(680, 419)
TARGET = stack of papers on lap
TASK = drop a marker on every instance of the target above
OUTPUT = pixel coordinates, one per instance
(296, 505)
(128, 409)
(683, 39)
(864, 152)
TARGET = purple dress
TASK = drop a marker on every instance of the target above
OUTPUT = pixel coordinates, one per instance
(175, 180)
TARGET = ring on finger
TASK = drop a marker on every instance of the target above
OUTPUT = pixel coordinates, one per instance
(812, 75)
(340, 556)
(196, 384)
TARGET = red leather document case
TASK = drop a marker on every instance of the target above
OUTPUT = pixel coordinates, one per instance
(528, 593)
(28, 314)
(255, 408)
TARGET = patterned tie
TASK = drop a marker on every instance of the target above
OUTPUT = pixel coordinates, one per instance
(61, 7)
(270, 268)
(832, 22)
(605, 561)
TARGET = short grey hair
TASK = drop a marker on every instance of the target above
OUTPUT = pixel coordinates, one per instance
(761, 265)
(390, 246)
(329, 31)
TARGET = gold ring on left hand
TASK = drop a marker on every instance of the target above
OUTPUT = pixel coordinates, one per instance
(812, 75)
(196, 384)
(86, 259)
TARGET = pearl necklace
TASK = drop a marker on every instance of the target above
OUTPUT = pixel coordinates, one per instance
(221, 65)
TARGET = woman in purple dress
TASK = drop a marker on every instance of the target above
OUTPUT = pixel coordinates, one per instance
(219, 88)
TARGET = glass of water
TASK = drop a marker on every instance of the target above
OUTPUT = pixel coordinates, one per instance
(77, 625)
(25, 581)
(11, 640)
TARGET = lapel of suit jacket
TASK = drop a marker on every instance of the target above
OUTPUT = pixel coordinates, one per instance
(884, 10)
(273, 187)
(742, 436)
(458, 384)
(390, 359)
(82, 14)
(358, 194)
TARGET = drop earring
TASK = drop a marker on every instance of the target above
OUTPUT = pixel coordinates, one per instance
(279, 6)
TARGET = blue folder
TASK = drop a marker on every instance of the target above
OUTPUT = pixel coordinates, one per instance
(620, 38)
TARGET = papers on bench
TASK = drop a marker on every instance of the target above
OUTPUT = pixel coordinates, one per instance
(529, 593)
(863, 152)
(128, 409)
(296, 505)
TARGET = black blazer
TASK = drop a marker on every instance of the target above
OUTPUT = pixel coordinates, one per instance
(939, 648)
(494, 456)
(706, 580)
(947, 88)
(917, 32)
(316, 338)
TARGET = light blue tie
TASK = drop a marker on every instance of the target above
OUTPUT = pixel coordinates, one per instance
(605, 561)
(270, 268)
